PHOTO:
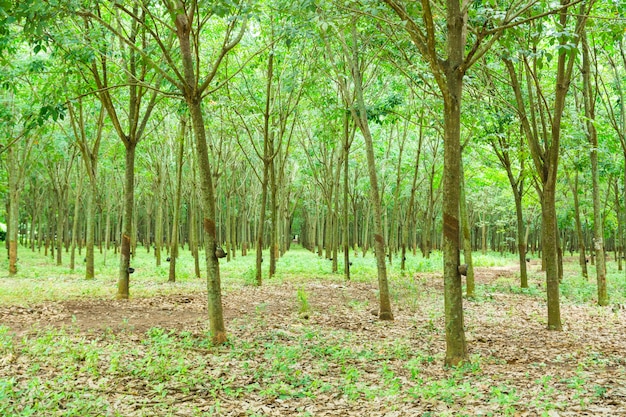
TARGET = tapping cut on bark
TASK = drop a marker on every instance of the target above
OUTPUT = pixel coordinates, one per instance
(219, 338)
(209, 226)
(450, 226)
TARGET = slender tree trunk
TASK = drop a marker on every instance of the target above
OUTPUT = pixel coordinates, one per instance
(620, 226)
(366, 230)
(214, 292)
(133, 234)
(75, 222)
(16, 179)
(60, 223)
(483, 229)
(549, 247)
(589, 97)
(14, 196)
(335, 221)
(229, 237)
(89, 244)
(179, 180)
(193, 99)
(375, 198)
(267, 159)
(261, 229)
(521, 241)
(274, 219)
(409, 213)
(123, 283)
(33, 227)
(582, 259)
(193, 235)
(158, 224)
(467, 243)
(346, 192)
(456, 346)
(427, 228)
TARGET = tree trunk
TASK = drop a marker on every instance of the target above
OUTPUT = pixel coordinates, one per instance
(335, 221)
(16, 180)
(549, 247)
(75, 222)
(346, 192)
(589, 96)
(89, 244)
(107, 237)
(214, 292)
(14, 198)
(409, 212)
(274, 218)
(366, 230)
(193, 235)
(158, 225)
(60, 224)
(620, 226)
(123, 283)
(375, 198)
(193, 99)
(521, 241)
(456, 347)
(467, 242)
(179, 180)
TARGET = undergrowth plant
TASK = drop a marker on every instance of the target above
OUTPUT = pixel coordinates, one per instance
(303, 300)
(351, 359)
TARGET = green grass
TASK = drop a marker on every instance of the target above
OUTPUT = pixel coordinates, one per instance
(40, 279)
(49, 372)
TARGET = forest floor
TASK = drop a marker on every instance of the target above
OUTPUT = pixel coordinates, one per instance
(314, 349)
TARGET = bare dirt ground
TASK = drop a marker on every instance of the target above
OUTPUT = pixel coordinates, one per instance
(176, 312)
(506, 329)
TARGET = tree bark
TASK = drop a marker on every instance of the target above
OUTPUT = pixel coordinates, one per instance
(456, 346)
(123, 283)
(346, 192)
(375, 198)
(549, 246)
(15, 187)
(409, 213)
(193, 97)
(467, 243)
(179, 179)
(160, 201)
(75, 222)
(89, 241)
(589, 98)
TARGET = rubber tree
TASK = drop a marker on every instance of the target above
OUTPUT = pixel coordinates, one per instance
(590, 95)
(574, 188)
(180, 141)
(17, 163)
(354, 99)
(324, 162)
(28, 106)
(191, 72)
(89, 150)
(544, 138)
(282, 82)
(510, 150)
(614, 52)
(449, 58)
(129, 120)
(411, 203)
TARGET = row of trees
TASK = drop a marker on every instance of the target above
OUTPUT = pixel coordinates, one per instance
(246, 124)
